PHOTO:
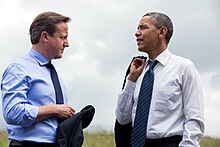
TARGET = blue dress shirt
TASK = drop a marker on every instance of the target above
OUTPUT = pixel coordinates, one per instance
(26, 84)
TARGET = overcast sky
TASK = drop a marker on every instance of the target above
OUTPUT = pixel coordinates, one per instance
(102, 43)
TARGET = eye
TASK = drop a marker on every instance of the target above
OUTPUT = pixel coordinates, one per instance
(142, 27)
(63, 37)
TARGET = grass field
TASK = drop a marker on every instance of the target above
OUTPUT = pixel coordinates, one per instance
(106, 139)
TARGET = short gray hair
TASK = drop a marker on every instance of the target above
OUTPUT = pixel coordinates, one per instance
(160, 20)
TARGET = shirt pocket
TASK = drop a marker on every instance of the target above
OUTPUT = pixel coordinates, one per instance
(167, 98)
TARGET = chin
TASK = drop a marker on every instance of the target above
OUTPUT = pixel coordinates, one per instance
(58, 57)
(141, 49)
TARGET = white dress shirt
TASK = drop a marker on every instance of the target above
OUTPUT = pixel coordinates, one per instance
(177, 101)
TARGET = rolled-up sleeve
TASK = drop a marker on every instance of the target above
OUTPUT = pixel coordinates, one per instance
(15, 85)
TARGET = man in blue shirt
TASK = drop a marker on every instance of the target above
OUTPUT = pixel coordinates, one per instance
(28, 95)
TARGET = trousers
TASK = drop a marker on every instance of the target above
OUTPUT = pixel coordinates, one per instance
(15, 143)
(172, 141)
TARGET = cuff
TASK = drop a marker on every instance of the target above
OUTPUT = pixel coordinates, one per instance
(31, 114)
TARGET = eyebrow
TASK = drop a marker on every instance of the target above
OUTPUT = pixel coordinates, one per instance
(143, 25)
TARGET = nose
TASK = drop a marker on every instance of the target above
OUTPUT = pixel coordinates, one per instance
(66, 43)
(137, 33)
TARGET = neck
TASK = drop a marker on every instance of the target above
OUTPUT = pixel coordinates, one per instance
(40, 49)
(157, 51)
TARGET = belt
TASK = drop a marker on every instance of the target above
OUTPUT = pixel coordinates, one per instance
(163, 141)
(15, 143)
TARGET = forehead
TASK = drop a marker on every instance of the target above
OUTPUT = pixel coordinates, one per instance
(62, 27)
(146, 20)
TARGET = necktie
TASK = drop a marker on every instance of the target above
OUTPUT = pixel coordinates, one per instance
(56, 83)
(140, 123)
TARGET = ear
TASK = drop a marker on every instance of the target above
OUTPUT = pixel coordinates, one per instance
(44, 36)
(163, 31)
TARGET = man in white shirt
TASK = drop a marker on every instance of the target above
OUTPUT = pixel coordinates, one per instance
(176, 114)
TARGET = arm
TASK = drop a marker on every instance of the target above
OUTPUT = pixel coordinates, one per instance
(60, 111)
(15, 86)
(125, 97)
(17, 109)
(193, 108)
(125, 103)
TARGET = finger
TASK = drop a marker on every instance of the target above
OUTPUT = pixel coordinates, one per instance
(138, 61)
(73, 110)
(72, 113)
(143, 62)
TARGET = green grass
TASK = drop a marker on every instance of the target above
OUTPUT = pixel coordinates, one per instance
(98, 139)
(106, 139)
(210, 142)
(3, 139)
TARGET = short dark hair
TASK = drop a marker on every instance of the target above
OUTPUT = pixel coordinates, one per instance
(45, 21)
(160, 20)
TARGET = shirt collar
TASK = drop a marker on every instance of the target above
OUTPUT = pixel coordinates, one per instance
(38, 57)
(164, 56)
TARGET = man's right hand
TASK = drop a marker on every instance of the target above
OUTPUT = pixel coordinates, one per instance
(137, 66)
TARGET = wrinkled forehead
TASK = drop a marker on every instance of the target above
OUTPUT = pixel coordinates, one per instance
(146, 20)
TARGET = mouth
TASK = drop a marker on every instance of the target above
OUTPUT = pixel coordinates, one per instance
(139, 41)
